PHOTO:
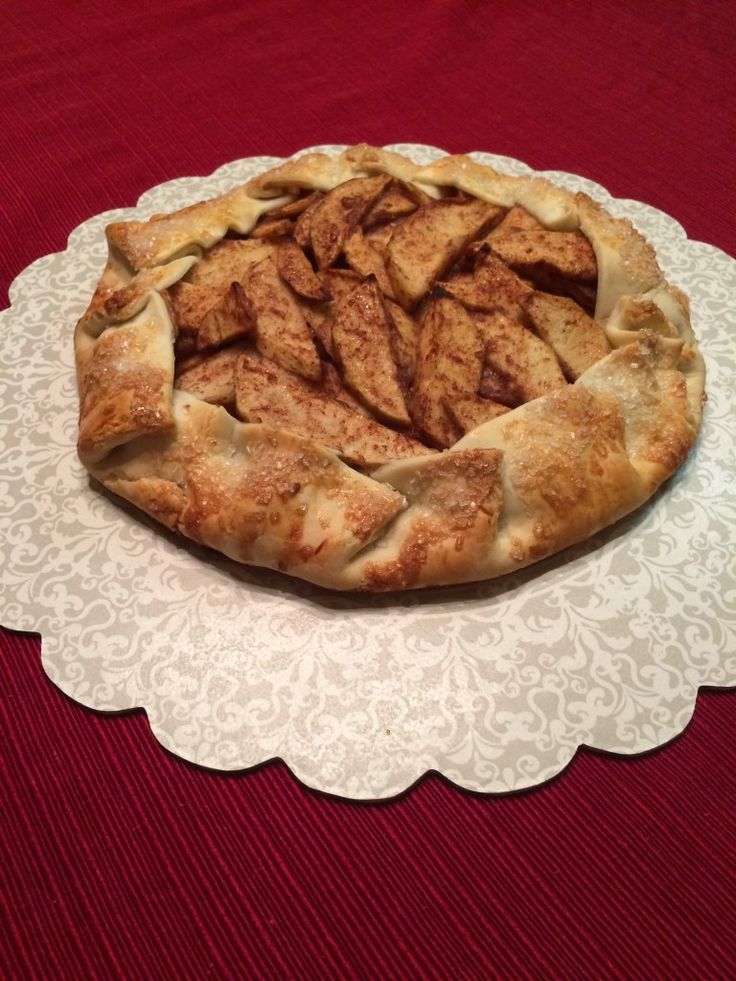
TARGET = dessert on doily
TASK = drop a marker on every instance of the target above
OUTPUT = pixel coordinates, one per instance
(376, 375)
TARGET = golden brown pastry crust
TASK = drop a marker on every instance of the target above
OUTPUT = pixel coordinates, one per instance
(525, 484)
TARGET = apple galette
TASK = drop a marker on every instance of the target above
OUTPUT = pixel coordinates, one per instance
(375, 375)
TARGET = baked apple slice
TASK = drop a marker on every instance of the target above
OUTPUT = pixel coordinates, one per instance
(228, 262)
(490, 287)
(366, 261)
(265, 392)
(320, 315)
(303, 227)
(207, 317)
(281, 330)
(516, 219)
(499, 387)
(296, 270)
(338, 213)
(213, 378)
(334, 386)
(378, 238)
(566, 254)
(449, 366)
(424, 245)
(470, 411)
(405, 339)
(577, 340)
(514, 352)
(293, 209)
(397, 201)
(273, 229)
(361, 338)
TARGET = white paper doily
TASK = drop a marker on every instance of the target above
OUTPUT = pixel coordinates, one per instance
(495, 685)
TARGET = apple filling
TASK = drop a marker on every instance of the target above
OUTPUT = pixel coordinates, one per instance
(383, 323)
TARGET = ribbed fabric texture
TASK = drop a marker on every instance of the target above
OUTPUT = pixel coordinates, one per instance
(118, 860)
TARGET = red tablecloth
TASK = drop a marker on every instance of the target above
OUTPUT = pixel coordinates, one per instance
(118, 860)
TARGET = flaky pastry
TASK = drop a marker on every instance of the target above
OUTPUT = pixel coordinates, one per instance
(375, 375)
